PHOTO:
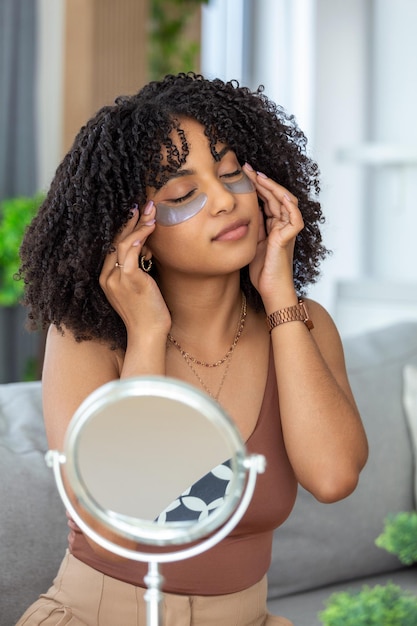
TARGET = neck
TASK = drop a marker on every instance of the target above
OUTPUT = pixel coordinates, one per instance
(204, 316)
(190, 301)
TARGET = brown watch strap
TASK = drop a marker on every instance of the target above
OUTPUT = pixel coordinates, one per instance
(296, 313)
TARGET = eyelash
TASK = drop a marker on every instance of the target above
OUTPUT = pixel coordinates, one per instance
(183, 198)
(190, 193)
(232, 174)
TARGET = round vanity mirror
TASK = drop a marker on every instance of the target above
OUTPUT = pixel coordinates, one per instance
(156, 461)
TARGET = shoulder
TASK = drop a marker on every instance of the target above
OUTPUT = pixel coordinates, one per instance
(72, 370)
(64, 340)
(321, 318)
(61, 345)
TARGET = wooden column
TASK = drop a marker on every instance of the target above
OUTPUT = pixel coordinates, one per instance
(105, 56)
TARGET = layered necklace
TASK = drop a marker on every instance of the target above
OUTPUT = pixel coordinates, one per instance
(192, 362)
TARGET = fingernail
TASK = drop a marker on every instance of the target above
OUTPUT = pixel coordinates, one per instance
(248, 167)
(150, 222)
(136, 243)
(133, 209)
(148, 208)
(262, 175)
(287, 197)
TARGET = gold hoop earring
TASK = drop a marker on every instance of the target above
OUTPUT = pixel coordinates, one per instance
(146, 268)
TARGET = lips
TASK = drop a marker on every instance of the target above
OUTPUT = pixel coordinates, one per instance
(232, 231)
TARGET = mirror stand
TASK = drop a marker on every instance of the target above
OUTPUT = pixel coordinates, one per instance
(154, 596)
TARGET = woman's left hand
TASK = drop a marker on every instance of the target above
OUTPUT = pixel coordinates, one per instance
(271, 271)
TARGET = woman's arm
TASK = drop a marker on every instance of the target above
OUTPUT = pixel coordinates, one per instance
(322, 429)
(323, 432)
(72, 370)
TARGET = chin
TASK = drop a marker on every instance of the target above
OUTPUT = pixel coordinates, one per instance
(239, 261)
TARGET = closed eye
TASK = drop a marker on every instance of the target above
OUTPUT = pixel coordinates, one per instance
(234, 174)
(182, 198)
(238, 182)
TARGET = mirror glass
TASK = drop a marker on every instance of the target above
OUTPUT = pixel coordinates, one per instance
(156, 460)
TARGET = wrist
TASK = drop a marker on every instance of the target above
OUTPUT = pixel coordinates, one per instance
(147, 340)
(280, 299)
(294, 313)
(145, 354)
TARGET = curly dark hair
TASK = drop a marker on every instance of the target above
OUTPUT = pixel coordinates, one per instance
(116, 155)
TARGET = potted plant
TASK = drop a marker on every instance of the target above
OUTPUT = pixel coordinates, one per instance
(400, 536)
(381, 605)
(15, 215)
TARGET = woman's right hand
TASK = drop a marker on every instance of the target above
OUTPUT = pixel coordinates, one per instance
(133, 293)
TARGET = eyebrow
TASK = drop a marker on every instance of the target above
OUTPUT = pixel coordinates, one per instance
(181, 173)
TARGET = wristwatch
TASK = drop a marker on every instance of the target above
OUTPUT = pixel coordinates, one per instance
(296, 313)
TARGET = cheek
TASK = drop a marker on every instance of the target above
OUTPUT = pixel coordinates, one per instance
(166, 245)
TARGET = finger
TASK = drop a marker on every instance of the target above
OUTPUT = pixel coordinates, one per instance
(129, 249)
(131, 233)
(280, 204)
(273, 200)
(272, 205)
(290, 208)
(288, 219)
(144, 218)
(129, 226)
(266, 184)
(262, 194)
(261, 229)
(272, 194)
(250, 172)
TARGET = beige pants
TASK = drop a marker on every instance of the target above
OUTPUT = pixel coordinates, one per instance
(81, 596)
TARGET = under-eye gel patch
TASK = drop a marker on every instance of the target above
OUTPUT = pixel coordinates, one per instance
(171, 214)
(243, 185)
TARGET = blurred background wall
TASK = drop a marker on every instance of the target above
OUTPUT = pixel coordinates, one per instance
(347, 70)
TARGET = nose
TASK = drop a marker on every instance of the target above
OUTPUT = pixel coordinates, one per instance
(221, 200)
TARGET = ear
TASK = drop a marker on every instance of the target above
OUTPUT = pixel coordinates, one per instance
(146, 252)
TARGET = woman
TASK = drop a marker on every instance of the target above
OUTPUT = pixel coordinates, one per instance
(178, 236)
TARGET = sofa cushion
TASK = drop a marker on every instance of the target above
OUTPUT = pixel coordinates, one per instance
(410, 405)
(324, 543)
(32, 517)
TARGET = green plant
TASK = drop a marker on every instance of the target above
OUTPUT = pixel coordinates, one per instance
(386, 605)
(400, 536)
(382, 605)
(15, 215)
(171, 48)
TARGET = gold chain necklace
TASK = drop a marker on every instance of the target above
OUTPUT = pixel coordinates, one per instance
(192, 361)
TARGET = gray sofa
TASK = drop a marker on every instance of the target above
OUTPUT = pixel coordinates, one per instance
(320, 549)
